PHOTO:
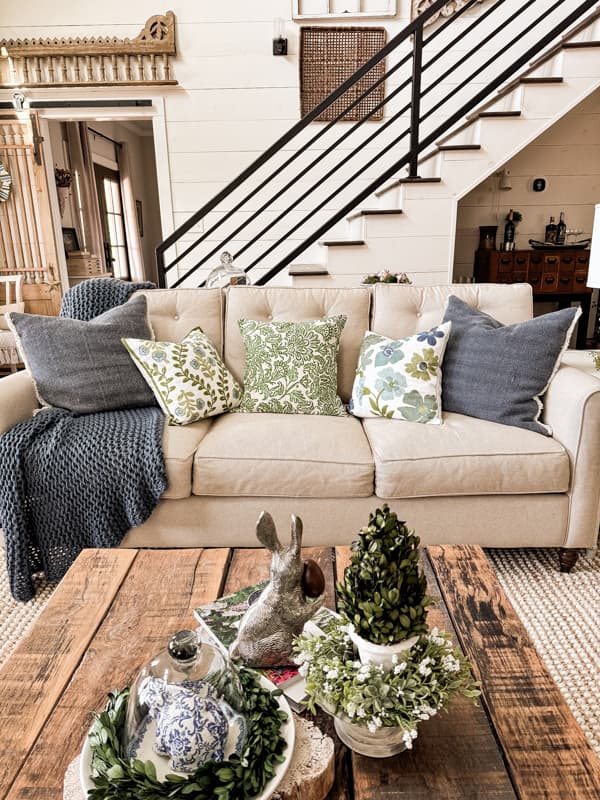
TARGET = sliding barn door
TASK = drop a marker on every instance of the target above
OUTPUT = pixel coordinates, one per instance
(26, 237)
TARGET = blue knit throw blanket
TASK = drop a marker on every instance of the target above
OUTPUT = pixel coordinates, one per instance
(71, 481)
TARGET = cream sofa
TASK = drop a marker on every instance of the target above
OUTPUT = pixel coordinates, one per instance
(466, 481)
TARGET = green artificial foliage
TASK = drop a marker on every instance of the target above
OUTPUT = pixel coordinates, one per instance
(383, 594)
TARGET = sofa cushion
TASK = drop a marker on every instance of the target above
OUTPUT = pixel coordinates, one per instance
(188, 379)
(268, 304)
(83, 366)
(179, 445)
(498, 372)
(174, 312)
(401, 378)
(400, 311)
(291, 367)
(464, 456)
(284, 455)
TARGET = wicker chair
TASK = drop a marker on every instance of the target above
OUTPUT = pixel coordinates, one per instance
(13, 301)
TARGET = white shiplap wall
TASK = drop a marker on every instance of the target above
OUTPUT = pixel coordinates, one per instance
(234, 98)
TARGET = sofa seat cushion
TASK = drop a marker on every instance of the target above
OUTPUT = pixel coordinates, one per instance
(179, 445)
(283, 455)
(464, 456)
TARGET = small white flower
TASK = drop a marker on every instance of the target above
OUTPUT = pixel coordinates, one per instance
(408, 737)
(450, 663)
(303, 669)
(373, 724)
(424, 670)
(360, 712)
(399, 668)
(351, 709)
(327, 687)
(434, 636)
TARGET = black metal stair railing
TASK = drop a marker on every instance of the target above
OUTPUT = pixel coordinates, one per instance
(276, 188)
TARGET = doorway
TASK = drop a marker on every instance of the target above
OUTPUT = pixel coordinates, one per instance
(110, 203)
(113, 204)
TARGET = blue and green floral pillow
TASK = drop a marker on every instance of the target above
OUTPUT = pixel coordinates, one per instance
(188, 379)
(401, 378)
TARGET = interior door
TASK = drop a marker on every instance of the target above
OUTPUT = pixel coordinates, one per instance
(108, 186)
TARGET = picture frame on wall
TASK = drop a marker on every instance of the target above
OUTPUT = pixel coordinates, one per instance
(70, 240)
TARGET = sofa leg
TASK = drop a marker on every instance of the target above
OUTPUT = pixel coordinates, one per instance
(567, 558)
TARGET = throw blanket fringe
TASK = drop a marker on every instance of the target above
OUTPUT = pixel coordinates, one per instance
(71, 481)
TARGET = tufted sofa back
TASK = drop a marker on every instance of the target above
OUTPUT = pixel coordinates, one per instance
(405, 310)
(174, 312)
(393, 311)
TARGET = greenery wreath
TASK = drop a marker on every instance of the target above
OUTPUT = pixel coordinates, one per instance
(119, 778)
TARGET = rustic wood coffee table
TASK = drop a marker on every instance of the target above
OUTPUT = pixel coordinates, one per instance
(117, 608)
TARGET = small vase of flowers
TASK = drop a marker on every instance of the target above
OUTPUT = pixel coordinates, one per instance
(63, 180)
(378, 669)
(386, 276)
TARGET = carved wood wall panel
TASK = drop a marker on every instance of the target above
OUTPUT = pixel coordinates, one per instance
(26, 237)
(100, 61)
(451, 7)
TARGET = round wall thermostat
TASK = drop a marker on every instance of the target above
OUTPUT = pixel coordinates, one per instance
(539, 184)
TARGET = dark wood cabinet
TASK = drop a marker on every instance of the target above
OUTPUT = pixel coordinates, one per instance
(555, 276)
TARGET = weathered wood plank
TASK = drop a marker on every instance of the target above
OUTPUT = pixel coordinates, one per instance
(546, 751)
(33, 678)
(155, 600)
(455, 755)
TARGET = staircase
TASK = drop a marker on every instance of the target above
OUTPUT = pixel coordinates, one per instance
(328, 203)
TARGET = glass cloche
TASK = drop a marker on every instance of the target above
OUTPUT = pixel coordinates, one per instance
(226, 274)
(186, 707)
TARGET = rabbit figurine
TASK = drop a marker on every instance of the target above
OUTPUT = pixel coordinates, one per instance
(267, 629)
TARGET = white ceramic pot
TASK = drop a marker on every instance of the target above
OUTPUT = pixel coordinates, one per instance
(381, 654)
(382, 743)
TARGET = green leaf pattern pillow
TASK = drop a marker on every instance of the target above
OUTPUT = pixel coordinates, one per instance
(401, 378)
(189, 380)
(291, 367)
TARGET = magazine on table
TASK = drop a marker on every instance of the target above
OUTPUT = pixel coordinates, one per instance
(220, 620)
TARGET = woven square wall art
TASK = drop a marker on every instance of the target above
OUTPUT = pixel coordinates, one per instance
(328, 56)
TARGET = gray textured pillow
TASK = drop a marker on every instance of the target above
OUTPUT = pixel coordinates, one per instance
(83, 366)
(498, 372)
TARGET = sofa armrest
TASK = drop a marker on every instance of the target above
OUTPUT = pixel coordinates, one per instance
(572, 409)
(18, 400)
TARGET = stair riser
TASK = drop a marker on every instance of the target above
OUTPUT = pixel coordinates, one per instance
(397, 254)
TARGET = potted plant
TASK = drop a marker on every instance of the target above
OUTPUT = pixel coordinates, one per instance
(383, 595)
(403, 674)
(376, 712)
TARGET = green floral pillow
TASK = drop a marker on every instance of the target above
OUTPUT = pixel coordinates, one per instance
(291, 367)
(189, 380)
(401, 378)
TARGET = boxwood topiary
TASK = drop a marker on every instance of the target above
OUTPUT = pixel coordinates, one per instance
(383, 593)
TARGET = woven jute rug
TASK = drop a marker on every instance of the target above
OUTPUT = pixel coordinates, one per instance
(561, 613)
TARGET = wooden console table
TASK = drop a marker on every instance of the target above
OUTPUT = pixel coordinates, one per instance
(557, 276)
